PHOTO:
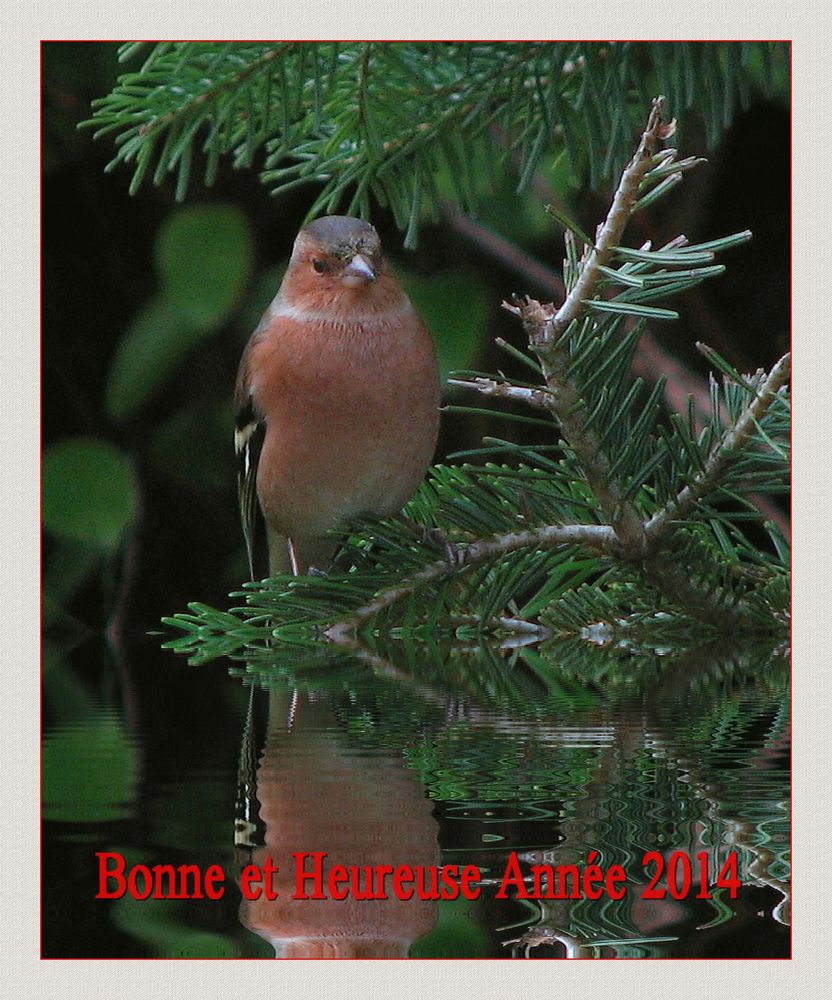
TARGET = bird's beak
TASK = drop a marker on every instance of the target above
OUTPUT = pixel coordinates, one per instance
(359, 271)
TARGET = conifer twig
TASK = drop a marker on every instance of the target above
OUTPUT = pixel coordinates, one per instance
(538, 398)
(544, 326)
(734, 438)
(610, 232)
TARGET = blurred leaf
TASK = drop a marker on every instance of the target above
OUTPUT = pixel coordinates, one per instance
(88, 491)
(153, 345)
(204, 257)
(455, 306)
(88, 772)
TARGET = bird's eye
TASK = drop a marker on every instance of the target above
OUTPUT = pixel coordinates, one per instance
(320, 266)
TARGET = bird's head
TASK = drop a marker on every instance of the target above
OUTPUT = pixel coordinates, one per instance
(337, 251)
(337, 268)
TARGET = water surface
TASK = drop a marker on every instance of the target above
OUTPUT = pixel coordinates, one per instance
(427, 758)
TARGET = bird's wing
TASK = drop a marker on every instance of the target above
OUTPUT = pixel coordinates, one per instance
(249, 431)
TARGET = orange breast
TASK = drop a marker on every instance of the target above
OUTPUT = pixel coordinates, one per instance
(352, 417)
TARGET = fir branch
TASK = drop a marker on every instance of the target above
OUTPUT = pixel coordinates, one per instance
(597, 536)
(545, 327)
(730, 444)
(571, 362)
(394, 123)
(681, 383)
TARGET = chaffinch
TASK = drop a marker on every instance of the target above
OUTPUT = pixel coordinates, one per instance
(337, 396)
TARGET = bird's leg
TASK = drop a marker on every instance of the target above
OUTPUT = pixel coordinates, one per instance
(297, 566)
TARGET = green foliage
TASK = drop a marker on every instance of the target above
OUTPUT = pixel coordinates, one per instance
(530, 585)
(402, 122)
(88, 492)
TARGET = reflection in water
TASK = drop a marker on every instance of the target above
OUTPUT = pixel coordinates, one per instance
(415, 755)
(316, 793)
(686, 759)
(692, 762)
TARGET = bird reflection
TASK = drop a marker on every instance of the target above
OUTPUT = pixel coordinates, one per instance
(317, 791)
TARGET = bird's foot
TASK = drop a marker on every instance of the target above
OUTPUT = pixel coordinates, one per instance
(453, 554)
(437, 538)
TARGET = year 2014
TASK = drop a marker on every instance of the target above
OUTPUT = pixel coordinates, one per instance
(678, 874)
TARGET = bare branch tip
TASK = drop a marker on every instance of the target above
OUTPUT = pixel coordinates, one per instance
(666, 130)
(656, 127)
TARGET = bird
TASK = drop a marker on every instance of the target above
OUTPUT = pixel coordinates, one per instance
(337, 398)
